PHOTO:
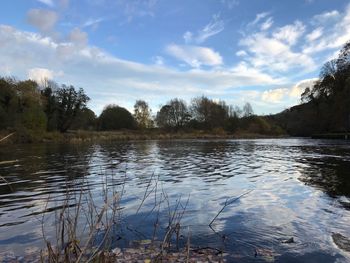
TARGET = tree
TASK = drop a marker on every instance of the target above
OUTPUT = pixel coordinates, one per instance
(330, 96)
(69, 103)
(142, 114)
(174, 114)
(163, 118)
(179, 112)
(209, 113)
(85, 120)
(247, 110)
(343, 61)
(27, 107)
(30, 111)
(306, 95)
(238, 112)
(8, 103)
(114, 117)
(50, 101)
(21, 106)
(62, 105)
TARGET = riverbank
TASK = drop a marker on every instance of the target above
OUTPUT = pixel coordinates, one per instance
(341, 136)
(127, 135)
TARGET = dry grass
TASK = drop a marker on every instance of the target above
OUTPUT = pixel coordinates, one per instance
(82, 218)
(82, 136)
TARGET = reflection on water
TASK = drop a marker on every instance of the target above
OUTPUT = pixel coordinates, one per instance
(301, 189)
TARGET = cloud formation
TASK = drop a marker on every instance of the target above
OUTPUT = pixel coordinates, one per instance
(290, 34)
(332, 31)
(282, 94)
(214, 27)
(78, 37)
(272, 54)
(109, 79)
(260, 60)
(47, 2)
(42, 19)
(195, 56)
(40, 75)
(230, 3)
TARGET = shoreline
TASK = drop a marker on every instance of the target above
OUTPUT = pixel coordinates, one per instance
(81, 136)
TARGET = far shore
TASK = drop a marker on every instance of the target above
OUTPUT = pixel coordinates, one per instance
(81, 136)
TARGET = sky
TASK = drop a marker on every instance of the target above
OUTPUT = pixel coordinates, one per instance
(265, 52)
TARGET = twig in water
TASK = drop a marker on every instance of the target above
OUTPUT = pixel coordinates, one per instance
(7, 183)
(227, 203)
(8, 136)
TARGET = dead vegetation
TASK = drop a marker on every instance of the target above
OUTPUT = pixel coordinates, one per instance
(85, 227)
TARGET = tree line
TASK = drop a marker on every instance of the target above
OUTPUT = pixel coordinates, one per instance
(27, 107)
(325, 107)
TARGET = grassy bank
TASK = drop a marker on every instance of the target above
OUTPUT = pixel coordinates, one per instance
(124, 135)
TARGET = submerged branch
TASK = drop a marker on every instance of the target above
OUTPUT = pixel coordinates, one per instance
(227, 203)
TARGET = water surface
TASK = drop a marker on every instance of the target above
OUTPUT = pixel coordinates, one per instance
(298, 188)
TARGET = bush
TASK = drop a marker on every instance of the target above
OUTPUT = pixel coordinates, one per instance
(114, 117)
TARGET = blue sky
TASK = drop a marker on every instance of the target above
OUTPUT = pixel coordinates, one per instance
(260, 51)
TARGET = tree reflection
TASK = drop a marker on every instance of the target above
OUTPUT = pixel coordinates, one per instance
(329, 174)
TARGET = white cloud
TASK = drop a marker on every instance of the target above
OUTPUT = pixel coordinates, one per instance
(195, 56)
(78, 37)
(290, 33)
(214, 27)
(42, 19)
(93, 22)
(246, 72)
(230, 3)
(188, 37)
(301, 46)
(47, 2)
(40, 75)
(267, 24)
(326, 17)
(258, 18)
(315, 34)
(5, 70)
(109, 79)
(272, 54)
(241, 53)
(272, 49)
(299, 88)
(274, 95)
(283, 94)
(139, 8)
(158, 60)
(336, 32)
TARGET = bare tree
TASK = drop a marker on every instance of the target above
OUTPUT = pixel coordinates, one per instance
(247, 110)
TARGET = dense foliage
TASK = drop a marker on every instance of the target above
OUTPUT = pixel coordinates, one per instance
(63, 105)
(326, 105)
(114, 117)
(28, 108)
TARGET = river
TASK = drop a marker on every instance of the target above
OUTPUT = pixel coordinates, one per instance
(285, 198)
